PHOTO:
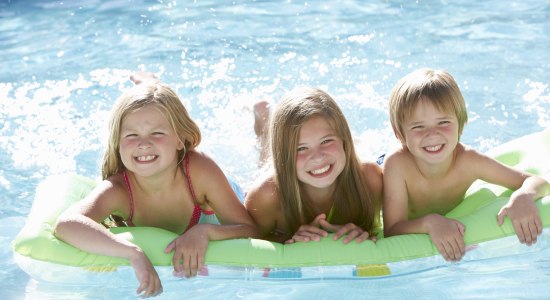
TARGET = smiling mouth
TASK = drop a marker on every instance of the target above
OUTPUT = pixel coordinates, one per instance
(146, 158)
(434, 149)
(320, 171)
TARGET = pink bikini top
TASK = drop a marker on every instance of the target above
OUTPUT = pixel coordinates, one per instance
(197, 210)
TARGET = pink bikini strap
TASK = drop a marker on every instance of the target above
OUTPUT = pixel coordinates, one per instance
(131, 197)
(195, 217)
(188, 177)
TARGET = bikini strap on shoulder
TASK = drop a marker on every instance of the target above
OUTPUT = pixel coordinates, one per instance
(131, 196)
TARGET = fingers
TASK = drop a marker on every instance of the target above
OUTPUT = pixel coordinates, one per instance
(170, 247)
(350, 230)
(364, 236)
(452, 250)
(501, 214)
(324, 224)
(149, 281)
(178, 261)
(309, 233)
(317, 221)
(527, 232)
(290, 241)
(150, 287)
(188, 265)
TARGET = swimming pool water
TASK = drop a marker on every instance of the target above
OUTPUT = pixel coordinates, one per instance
(65, 62)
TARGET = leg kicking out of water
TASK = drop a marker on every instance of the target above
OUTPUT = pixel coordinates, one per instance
(143, 77)
(261, 122)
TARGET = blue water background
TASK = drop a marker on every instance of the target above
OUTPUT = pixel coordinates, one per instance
(63, 64)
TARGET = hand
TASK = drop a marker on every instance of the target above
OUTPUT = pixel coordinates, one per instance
(447, 235)
(523, 212)
(189, 250)
(149, 281)
(310, 232)
(350, 230)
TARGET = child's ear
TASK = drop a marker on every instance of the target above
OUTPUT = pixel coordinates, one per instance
(180, 145)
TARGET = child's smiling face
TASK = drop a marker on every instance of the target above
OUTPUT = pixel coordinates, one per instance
(431, 135)
(148, 143)
(320, 158)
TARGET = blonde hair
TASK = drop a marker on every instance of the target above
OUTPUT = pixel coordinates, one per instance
(435, 86)
(170, 106)
(353, 202)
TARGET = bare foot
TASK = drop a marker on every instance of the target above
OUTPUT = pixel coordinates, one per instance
(141, 77)
(261, 117)
(261, 121)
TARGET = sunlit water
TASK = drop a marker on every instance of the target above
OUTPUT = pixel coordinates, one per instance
(63, 63)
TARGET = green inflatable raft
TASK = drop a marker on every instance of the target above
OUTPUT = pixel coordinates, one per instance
(39, 253)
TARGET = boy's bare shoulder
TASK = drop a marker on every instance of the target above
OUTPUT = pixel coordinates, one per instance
(397, 158)
(469, 155)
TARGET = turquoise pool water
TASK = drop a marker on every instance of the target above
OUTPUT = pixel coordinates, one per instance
(64, 63)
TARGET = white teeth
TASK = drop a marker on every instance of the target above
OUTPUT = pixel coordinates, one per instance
(320, 171)
(146, 158)
(433, 148)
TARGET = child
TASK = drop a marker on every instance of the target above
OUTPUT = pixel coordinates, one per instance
(317, 184)
(430, 174)
(153, 176)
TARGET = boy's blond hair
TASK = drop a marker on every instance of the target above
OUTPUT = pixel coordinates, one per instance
(435, 86)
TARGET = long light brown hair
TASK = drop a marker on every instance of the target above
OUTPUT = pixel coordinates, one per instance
(167, 102)
(353, 203)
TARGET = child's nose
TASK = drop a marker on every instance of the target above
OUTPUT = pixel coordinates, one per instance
(144, 143)
(433, 130)
(317, 155)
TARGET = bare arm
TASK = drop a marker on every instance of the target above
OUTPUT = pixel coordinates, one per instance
(446, 234)
(212, 188)
(79, 226)
(212, 185)
(521, 208)
(395, 208)
(262, 203)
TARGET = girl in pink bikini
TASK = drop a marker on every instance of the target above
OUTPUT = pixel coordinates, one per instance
(153, 176)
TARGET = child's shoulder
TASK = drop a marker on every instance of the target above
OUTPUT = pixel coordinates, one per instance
(467, 154)
(263, 189)
(371, 168)
(397, 157)
(115, 184)
(201, 161)
(112, 192)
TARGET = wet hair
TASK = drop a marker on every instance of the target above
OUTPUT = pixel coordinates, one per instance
(169, 105)
(437, 87)
(352, 201)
